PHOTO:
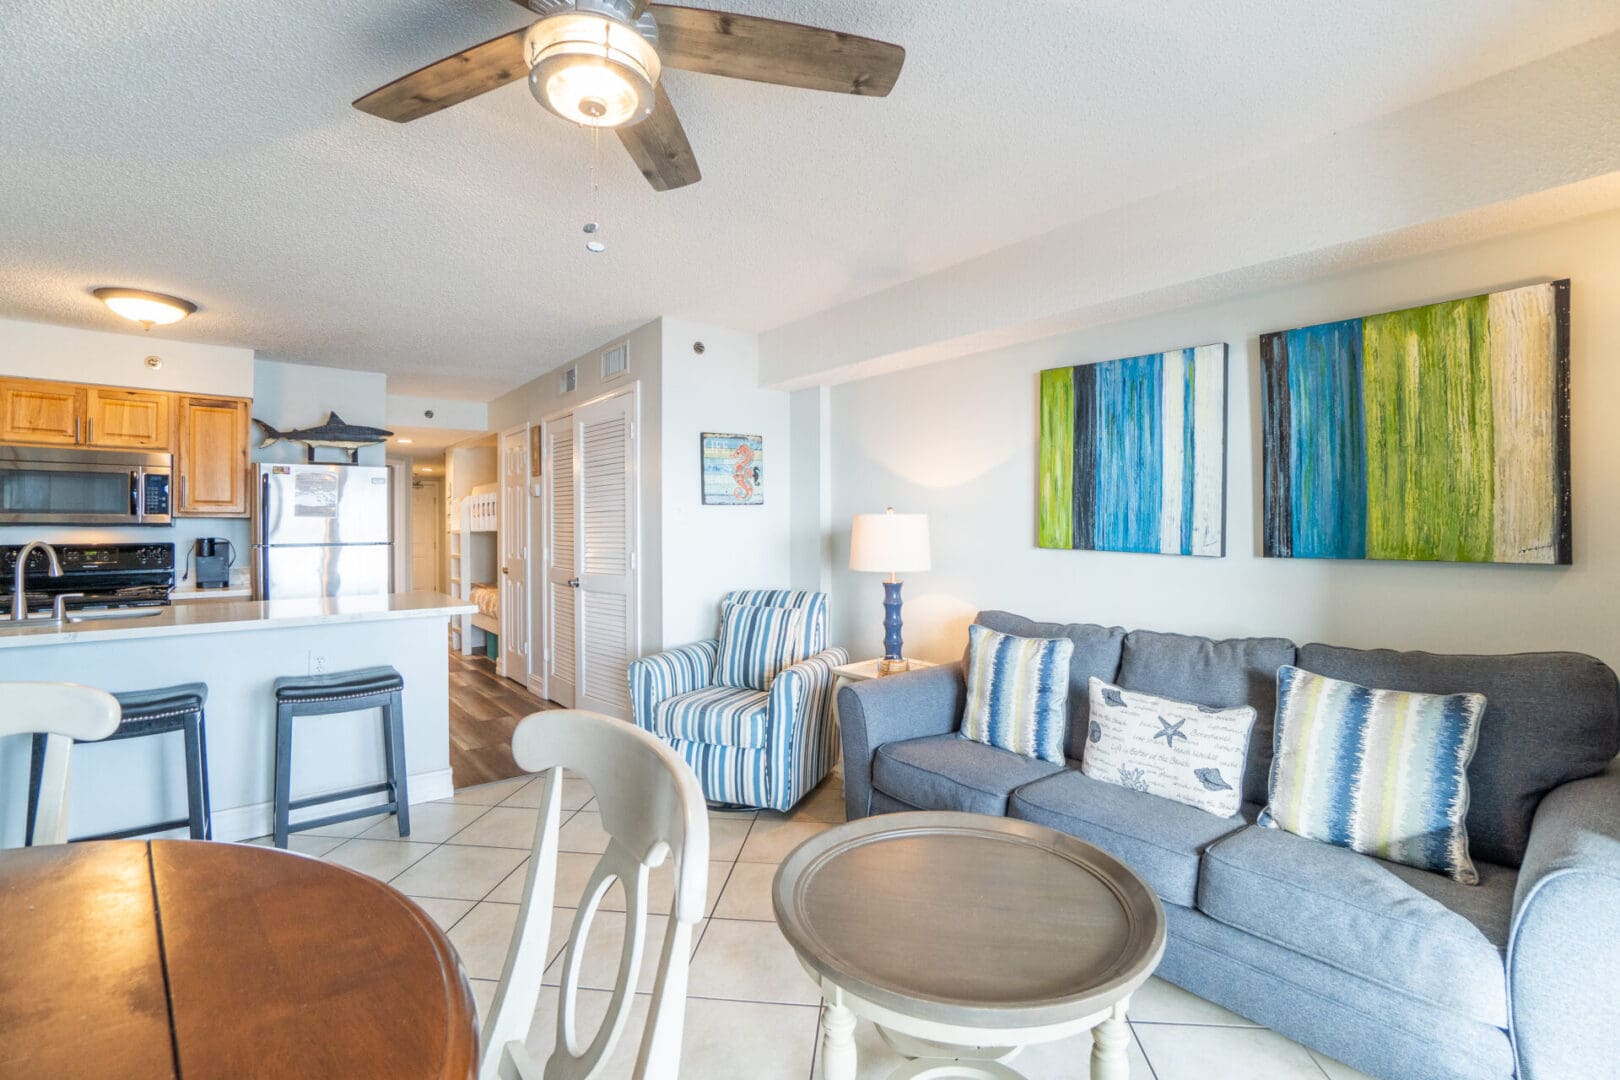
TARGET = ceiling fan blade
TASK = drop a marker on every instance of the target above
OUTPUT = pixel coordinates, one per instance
(450, 81)
(659, 147)
(768, 50)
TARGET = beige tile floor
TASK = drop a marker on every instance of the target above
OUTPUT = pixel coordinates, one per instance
(751, 1011)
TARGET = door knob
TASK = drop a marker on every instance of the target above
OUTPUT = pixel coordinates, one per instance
(504, 570)
(573, 583)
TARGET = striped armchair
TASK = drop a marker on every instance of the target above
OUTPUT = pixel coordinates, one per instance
(765, 749)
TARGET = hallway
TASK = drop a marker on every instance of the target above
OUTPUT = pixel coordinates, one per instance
(484, 708)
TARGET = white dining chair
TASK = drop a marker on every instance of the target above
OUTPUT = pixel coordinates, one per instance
(65, 713)
(652, 810)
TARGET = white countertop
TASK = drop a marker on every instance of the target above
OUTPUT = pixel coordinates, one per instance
(229, 616)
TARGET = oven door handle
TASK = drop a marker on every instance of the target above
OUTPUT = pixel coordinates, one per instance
(137, 494)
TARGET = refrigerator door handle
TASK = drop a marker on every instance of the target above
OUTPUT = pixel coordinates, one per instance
(263, 545)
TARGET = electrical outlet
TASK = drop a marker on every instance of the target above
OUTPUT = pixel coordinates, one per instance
(317, 663)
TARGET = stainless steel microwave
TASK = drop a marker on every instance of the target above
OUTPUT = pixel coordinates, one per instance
(44, 485)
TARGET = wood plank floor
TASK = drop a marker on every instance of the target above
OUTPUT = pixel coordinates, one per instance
(484, 708)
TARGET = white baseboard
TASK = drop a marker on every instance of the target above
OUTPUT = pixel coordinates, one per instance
(258, 819)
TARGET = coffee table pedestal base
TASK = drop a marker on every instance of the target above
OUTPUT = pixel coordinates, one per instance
(933, 1057)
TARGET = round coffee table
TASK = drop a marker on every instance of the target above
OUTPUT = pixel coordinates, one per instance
(965, 937)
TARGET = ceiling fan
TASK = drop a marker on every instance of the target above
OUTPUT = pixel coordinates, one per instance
(598, 62)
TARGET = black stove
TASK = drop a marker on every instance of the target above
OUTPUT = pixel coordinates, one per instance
(109, 575)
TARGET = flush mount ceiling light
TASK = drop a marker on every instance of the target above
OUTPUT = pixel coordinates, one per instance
(593, 65)
(147, 308)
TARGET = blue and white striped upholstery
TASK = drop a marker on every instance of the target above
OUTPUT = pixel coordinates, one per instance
(756, 642)
(799, 744)
(669, 674)
(814, 605)
(727, 715)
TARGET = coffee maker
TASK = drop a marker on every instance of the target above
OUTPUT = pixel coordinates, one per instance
(212, 558)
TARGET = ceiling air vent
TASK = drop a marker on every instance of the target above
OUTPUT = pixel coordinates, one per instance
(568, 382)
(616, 361)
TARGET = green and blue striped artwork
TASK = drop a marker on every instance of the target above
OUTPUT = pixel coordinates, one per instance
(1133, 454)
(1436, 433)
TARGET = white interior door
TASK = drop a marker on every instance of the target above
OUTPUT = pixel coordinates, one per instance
(513, 538)
(562, 569)
(427, 527)
(606, 611)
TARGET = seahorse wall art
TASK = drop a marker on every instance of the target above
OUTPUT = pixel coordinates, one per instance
(733, 469)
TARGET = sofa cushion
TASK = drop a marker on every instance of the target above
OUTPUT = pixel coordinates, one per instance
(1159, 839)
(948, 772)
(1223, 674)
(718, 715)
(1410, 930)
(1549, 718)
(1096, 652)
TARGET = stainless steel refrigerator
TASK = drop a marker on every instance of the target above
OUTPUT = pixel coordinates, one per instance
(320, 530)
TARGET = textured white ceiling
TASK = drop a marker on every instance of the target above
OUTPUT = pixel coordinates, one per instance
(210, 150)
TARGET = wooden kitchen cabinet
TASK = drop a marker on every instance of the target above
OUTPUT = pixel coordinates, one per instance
(211, 460)
(34, 411)
(129, 419)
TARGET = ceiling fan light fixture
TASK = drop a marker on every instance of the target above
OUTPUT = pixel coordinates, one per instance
(592, 69)
(147, 308)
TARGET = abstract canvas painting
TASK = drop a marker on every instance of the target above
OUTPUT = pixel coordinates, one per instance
(733, 470)
(1133, 454)
(1434, 433)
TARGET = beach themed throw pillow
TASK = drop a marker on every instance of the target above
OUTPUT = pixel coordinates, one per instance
(1193, 754)
(1382, 772)
(1018, 693)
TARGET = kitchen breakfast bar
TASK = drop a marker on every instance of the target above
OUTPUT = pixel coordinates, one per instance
(239, 649)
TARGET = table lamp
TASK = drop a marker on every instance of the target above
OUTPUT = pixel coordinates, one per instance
(890, 543)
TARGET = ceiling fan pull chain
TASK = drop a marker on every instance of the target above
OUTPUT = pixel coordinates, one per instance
(594, 243)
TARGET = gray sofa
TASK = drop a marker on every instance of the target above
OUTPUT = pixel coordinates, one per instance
(1401, 973)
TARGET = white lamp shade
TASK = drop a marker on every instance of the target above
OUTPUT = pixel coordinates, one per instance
(889, 543)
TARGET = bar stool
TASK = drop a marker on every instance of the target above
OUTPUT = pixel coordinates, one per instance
(341, 692)
(152, 712)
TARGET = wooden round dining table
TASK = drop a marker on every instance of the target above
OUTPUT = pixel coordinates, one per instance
(172, 958)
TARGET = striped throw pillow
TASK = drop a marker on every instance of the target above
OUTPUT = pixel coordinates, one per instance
(756, 643)
(1382, 772)
(1018, 693)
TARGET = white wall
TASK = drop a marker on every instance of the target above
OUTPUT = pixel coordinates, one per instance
(290, 396)
(41, 351)
(958, 441)
(710, 550)
(447, 413)
(811, 479)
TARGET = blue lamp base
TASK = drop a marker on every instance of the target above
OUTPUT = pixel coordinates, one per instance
(893, 658)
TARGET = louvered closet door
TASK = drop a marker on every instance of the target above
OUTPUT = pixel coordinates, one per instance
(607, 596)
(562, 569)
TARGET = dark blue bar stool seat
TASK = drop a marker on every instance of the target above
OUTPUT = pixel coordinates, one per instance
(342, 692)
(153, 712)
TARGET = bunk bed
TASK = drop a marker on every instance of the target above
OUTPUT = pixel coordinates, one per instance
(475, 548)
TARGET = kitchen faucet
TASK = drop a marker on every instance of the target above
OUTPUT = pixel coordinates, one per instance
(19, 597)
